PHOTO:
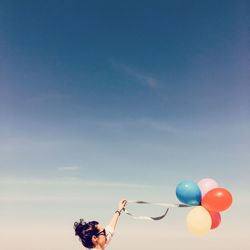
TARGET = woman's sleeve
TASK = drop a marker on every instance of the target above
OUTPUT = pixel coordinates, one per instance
(109, 233)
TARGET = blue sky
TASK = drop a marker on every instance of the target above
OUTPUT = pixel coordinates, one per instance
(112, 99)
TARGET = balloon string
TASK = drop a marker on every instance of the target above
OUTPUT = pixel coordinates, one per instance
(168, 205)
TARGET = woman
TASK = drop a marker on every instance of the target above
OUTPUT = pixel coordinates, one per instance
(93, 235)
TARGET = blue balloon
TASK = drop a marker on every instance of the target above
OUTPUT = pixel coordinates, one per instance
(189, 193)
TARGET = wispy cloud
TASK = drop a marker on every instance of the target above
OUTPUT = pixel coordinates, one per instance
(45, 97)
(140, 122)
(160, 125)
(141, 77)
(69, 168)
(38, 198)
(54, 190)
(71, 181)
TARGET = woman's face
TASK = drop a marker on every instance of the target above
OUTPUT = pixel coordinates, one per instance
(101, 236)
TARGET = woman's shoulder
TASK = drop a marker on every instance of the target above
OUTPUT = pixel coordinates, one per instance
(109, 229)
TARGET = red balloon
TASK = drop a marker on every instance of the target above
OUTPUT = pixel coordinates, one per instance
(216, 219)
(217, 200)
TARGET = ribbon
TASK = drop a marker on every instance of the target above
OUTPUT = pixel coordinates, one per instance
(172, 205)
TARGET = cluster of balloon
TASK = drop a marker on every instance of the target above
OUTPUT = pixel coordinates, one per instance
(209, 200)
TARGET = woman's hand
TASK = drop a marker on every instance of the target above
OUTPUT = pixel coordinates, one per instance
(122, 204)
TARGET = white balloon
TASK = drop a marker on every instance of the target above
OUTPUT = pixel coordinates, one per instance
(199, 221)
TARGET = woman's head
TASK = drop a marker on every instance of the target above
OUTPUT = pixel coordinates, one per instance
(90, 233)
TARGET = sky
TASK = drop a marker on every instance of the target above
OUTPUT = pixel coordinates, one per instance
(105, 100)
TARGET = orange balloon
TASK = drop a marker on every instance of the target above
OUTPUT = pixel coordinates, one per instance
(217, 200)
(216, 219)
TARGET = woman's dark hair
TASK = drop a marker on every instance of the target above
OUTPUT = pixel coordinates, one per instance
(85, 231)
